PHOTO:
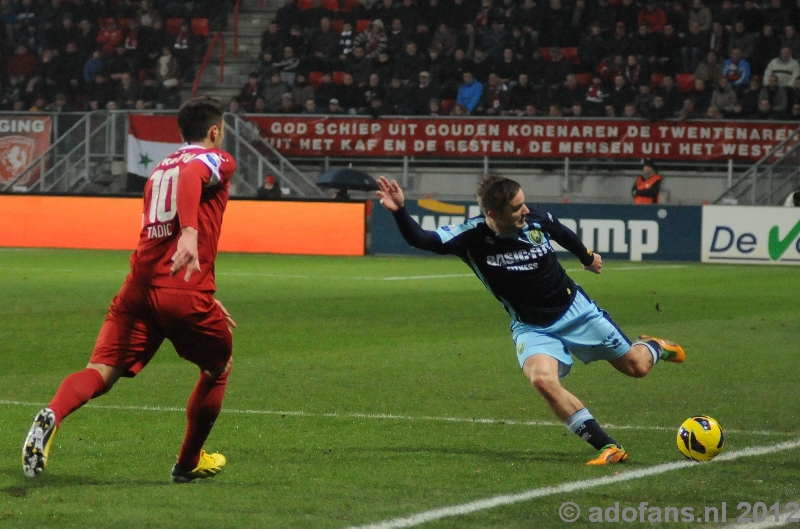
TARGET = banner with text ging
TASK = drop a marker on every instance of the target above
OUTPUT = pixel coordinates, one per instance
(521, 138)
(22, 140)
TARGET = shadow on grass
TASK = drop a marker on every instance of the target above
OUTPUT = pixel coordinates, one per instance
(24, 485)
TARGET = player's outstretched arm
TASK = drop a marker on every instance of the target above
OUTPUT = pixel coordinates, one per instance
(390, 194)
(596, 265)
(186, 254)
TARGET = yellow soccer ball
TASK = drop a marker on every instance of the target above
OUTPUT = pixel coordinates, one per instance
(700, 438)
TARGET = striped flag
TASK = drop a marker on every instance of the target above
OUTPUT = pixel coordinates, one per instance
(150, 140)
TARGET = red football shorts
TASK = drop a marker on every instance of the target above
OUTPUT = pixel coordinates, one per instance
(141, 316)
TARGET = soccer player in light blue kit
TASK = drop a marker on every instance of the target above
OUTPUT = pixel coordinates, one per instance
(509, 249)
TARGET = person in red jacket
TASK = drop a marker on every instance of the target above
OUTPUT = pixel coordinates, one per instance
(647, 188)
(653, 16)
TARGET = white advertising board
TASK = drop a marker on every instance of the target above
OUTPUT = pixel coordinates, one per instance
(751, 234)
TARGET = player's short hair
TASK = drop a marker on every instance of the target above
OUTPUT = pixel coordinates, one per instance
(495, 192)
(196, 116)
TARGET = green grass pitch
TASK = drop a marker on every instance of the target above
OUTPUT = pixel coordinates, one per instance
(355, 386)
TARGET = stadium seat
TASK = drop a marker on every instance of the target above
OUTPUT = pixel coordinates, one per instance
(124, 23)
(545, 51)
(103, 22)
(361, 25)
(446, 106)
(315, 78)
(174, 25)
(656, 80)
(200, 27)
(305, 4)
(331, 5)
(584, 79)
(350, 5)
(338, 77)
(337, 24)
(571, 54)
(685, 81)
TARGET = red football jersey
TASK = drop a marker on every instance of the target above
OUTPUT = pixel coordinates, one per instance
(170, 203)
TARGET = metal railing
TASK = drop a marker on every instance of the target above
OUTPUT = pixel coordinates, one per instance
(770, 179)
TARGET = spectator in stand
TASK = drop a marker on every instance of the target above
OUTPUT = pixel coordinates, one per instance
(668, 51)
(13, 90)
(361, 67)
(794, 115)
(494, 40)
(182, 50)
(701, 14)
(673, 98)
(568, 94)
(468, 40)
(658, 111)
(273, 38)
(494, 98)
(678, 17)
(310, 18)
(167, 77)
(131, 45)
(323, 45)
(288, 65)
(128, 92)
(628, 14)
(469, 93)
(643, 101)
(109, 36)
(793, 93)
(287, 15)
(422, 37)
(435, 64)
(766, 47)
(592, 48)
(507, 69)
(709, 70)
(520, 95)
(396, 98)
(146, 15)
(723, 97)
(434, 107)
(94, 64)
(310, 107)
(784, 67)
(373, 90)
(765, 112)
(409, 63)
(383, 66)
(396, 37)
(351, 97)
(372, 39)
(266, 65)
(621, 94)
(325, 91)
(774, 92)
(87, 40)
(61, 104)
(596, 96)
(64, 32)
(752, 16)
(118, 63)
(743, 40)
(718, 40)
(606, 16)
(652, 16)
(444, 40)
(295, 40)
(644, 43)
(344, 47)
(273, 91)
(635, 73)
(695, 48)
(737, 71)
(687, 111)
(700, 96)
(334, 107)
(790, 39)
(620, 43)
(249, 92)
(70, 77)
(750, 98)
(152, 42)
(629, 111)
(555, 24)
(556, 71)
(480, 65)
(270, 190)
(422, 93)
(725, 13)
(302, 90)
(22, 63)
(286, 107)
(99, 93)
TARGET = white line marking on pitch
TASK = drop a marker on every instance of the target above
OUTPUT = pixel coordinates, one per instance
(508, 499)
(389, 416)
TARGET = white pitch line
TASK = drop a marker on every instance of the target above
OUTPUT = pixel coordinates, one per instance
(508, 499)
(390, 416)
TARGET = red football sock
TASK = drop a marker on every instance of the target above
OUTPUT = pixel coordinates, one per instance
(201, 413)
(75, 391)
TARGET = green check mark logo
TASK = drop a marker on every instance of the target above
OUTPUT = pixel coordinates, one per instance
(777, 246)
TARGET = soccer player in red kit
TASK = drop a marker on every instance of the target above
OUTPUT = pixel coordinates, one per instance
(184, 200)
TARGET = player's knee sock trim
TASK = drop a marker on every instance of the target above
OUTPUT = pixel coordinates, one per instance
(75, 391)
(654, 349)
(582, 424)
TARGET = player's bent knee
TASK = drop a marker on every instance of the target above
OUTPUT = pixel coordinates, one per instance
(216, 373)
(545, 383)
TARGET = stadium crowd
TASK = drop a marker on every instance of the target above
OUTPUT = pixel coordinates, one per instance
(558, 58)
(64, 55)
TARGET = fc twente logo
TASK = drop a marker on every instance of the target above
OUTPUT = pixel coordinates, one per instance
(15, 155)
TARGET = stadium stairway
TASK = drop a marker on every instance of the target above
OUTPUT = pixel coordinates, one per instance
(253, 20)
